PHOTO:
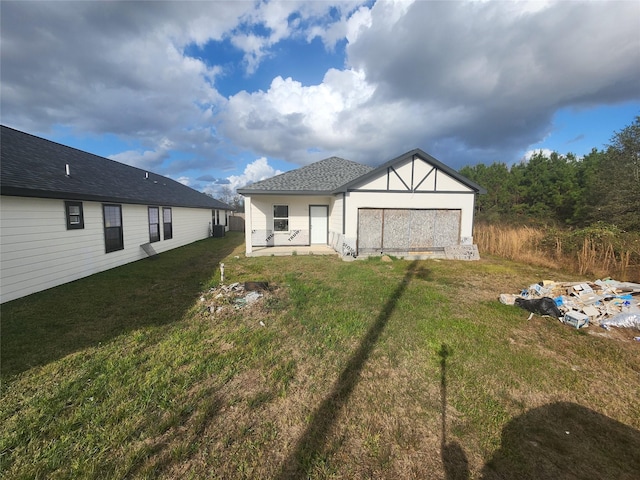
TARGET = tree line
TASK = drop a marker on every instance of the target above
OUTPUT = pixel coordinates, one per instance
(603, 186)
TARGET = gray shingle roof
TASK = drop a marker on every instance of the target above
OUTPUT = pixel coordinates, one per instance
(334, 175)
(34, 167)
(323, 177)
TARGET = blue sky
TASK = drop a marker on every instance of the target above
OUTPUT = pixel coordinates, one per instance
(579, 130)
(224, 93)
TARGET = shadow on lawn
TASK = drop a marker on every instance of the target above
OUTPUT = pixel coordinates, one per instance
(558, 440)
(313, 440)
(565, 440)
(49, 325)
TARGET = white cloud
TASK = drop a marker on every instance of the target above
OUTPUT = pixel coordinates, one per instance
(509, 65)
(121, 67)
(283, 20)
(257, 170)
(530, 153)
(109, 68)
(474, 81)
(289, 118)
(478, 79)
(348, 27)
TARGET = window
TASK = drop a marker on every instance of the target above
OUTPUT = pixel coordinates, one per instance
(167, 223)
(113, 238)
(154, 224)
(75, 217)
(281, 218)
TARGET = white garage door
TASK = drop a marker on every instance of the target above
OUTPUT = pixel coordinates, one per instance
(407, 230)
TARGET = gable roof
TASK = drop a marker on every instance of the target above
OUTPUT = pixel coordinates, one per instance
(35, 167)
(406, 156)
(319, 178)
(335, 175)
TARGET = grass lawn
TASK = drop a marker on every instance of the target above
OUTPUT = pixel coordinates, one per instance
(364, 369)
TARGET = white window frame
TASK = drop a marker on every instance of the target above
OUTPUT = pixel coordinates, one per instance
(280, 218)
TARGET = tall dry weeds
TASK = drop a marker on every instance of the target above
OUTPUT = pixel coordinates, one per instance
(515, 243)
(596, 256)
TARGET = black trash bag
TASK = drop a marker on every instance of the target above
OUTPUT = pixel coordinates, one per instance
(540, 306)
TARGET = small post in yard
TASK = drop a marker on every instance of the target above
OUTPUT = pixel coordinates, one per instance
(222, 273)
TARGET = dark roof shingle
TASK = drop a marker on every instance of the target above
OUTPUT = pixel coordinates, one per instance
(322, 177)
(35, 167)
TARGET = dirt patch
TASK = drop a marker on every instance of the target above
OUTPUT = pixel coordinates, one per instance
(255, 300)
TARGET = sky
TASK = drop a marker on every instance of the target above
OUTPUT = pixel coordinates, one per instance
(220, 94)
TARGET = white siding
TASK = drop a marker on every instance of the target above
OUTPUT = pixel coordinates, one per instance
(38, 252)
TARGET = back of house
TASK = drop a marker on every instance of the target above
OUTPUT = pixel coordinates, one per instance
(412, 205)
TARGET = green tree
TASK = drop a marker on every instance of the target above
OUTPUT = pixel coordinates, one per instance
(495, 179)
(604, 186)
(587, 172)
(547, 186)
(616, 190)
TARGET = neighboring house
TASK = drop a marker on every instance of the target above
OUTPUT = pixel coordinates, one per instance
(66, 214)
(412, 204)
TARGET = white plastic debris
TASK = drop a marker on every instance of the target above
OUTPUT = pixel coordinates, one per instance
(252, 297)
(507, 299)
(622, 320)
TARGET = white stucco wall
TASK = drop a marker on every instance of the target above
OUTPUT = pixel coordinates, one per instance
(38, 252)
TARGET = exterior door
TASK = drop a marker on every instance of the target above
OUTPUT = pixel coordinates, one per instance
(319, 224)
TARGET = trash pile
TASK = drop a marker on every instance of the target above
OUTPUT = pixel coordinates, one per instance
(607, 303)
(226, 298)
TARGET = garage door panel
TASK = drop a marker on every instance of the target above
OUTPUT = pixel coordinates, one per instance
(396, 230)
(422, 229)
(407, 230)
(369, 229)
(447, 232)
